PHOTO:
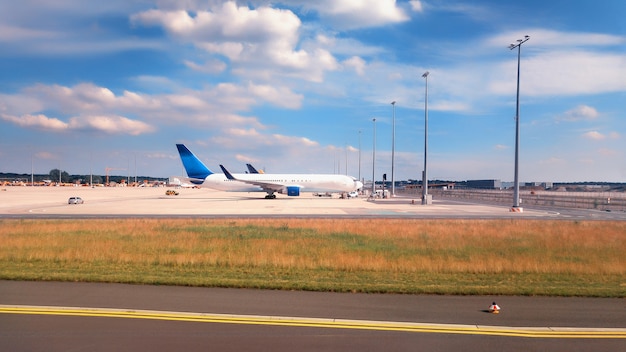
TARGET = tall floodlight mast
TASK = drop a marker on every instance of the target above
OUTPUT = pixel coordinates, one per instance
(425, 196)
(374, 161)
(393, 148)
(516, 207)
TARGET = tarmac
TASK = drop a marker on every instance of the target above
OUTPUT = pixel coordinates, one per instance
(153, 201)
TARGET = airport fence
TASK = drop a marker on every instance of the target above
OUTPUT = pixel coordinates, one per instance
(605, 201)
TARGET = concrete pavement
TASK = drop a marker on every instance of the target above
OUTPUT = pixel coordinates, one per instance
(153, 201)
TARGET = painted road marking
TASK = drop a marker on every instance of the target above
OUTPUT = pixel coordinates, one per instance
(530, 332)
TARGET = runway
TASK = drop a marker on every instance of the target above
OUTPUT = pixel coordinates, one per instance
(531, 332)
(86, 315)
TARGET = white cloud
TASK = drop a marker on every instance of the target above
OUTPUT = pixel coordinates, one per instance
(245, 158)
(579, 113)
(46, 155)
(17, 104)
(39, 121)
(254, 40)
(278, 96)
(605, 152)
(293, 141)
(211, 66)
(250, 145)
(557, 63)
(357, 64)
(449, 105)
(352, 14)
(416, 5)
(131, 100)
(15, 34)
(598, 136)
(177, 22)
(554, 40)
(239, 132)
(231, 50)
(187, 106)
(562, 73)
(246, 29)
(185, 102)
(110, 124)
(574, 73)
(478, 83)
(57, 28)
(344, 46)
(594, 135)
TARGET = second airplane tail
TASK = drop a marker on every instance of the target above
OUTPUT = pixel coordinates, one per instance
(253, 170)
(193, 166)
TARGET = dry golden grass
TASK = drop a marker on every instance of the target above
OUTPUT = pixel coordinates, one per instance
(400, 246)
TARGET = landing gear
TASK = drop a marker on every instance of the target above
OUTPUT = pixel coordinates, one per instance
(270, 196)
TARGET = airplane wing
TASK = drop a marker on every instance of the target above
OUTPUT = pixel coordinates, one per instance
(268, 187)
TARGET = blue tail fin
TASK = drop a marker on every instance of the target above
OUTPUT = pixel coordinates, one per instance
(227, 173)
(194, 167)
(251, 169)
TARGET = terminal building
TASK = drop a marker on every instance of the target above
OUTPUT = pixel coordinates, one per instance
(482, 184)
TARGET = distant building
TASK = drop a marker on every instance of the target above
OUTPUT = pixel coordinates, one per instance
(544, 185)
(432, 185)
(484, 184)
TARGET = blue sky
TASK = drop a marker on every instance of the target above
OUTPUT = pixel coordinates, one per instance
(293, 86)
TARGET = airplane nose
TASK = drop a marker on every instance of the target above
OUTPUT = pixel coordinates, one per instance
(358, 184)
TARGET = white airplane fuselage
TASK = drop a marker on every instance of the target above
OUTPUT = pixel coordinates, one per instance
(306, 182)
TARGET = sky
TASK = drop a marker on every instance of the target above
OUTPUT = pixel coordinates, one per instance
(301, 86)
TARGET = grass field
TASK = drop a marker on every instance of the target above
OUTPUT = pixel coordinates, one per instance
(513, 257)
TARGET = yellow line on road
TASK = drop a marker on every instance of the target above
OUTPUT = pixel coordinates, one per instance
(530, 332)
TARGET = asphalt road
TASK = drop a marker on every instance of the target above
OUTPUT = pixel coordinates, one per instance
(163, 318)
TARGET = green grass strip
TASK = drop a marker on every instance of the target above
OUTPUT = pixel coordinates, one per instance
(320, 279)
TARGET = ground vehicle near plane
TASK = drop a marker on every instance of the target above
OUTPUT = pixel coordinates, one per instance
(75, 200)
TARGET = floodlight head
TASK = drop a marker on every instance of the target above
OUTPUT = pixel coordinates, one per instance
(526, 36)
(425, 74)
(393, 102)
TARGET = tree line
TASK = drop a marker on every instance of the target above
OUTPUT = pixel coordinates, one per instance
(56, 174)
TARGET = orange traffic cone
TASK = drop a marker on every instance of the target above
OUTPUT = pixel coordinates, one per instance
(494, 308)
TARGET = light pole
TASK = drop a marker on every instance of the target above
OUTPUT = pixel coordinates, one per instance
(516, 207)
(425, 196)
(374, 161)
(90, 170)
(346, 161)
(32, 171)
(393, 147)
(360, 155)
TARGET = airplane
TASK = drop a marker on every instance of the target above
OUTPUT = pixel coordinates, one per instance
(290, 184)
(253, 170)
